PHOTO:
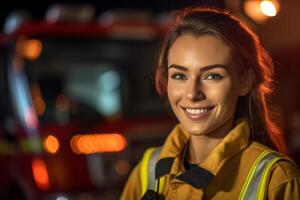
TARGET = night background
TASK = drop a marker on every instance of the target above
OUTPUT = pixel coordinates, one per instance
(38, 8)
(63, 82)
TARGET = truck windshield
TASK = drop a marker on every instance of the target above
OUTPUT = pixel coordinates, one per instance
(84, 79)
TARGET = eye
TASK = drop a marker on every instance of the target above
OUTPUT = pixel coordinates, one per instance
(213, 76)
(179, 76)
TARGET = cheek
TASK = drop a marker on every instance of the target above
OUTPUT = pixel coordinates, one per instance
(174, 92)
(225, 94)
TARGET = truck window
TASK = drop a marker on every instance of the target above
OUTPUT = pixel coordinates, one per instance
(93, 78)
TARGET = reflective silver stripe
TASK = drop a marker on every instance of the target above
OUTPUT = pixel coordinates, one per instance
(252, 190)
(151, 168)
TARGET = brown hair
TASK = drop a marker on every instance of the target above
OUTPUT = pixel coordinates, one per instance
(250, 53)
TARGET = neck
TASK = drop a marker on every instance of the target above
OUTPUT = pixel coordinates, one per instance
(201, 146)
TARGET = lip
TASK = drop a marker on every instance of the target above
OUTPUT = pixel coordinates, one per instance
(196, 117)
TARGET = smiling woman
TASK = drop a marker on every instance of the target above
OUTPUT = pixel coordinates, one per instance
(204, 93)
(203, 98)
(216, 75)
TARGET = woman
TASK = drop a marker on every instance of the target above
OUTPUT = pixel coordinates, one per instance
(217, 75)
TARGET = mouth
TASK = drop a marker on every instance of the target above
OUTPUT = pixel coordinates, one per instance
(197, 113)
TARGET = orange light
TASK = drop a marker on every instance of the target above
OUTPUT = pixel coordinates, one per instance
(81, 144)
(98, 143)
(74, 144)
(114, 142)
(261, 10)
(268, 8)
(40, 173)
(94, 148)
(51, 144)
(32, 49)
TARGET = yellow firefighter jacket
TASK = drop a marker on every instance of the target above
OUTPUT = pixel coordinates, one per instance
(221, 176)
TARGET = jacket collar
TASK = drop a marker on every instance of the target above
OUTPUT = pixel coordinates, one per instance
(172, 155)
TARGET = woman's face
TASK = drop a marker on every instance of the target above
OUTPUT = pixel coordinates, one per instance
(203, 84)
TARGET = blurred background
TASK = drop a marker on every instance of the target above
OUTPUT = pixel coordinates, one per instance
(77, 100)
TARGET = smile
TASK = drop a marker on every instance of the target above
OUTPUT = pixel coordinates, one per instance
(197, 113)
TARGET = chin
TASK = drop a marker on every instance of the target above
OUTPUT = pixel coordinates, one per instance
(197, 130)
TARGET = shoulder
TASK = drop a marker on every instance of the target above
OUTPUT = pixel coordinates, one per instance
(283, 169)
(257, 147)
(283, 172)
(136, 184)
(284, 181)
(284, 177)
(250, 154)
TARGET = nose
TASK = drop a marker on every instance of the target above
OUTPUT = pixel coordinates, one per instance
(194, 91)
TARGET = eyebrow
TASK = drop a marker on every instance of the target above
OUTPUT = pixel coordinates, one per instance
(206, 68)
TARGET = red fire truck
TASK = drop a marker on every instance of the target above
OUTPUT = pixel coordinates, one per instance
(78, 104)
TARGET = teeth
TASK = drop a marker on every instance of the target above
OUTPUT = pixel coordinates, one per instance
(196, 111)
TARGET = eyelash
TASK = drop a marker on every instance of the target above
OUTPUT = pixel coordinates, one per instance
(212, 76)
(179, 76)
(215, 77)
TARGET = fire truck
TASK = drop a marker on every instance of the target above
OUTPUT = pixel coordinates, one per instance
(78, 103)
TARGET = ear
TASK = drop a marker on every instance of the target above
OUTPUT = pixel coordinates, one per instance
(247, 82)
